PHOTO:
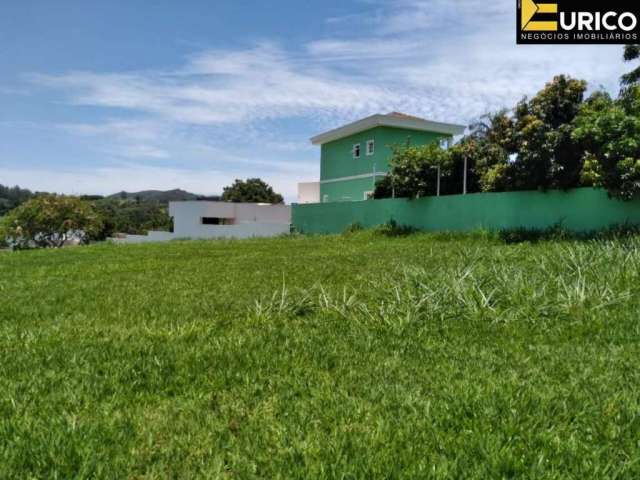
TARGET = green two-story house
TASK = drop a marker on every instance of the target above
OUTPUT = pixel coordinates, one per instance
(354, 156)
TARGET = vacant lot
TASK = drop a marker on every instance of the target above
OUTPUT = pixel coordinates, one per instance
(357, 356)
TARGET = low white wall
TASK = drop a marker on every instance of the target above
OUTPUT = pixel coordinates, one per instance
(187, 218)
(246, 220)
(150, 237)
(242, 230)
(208, 232)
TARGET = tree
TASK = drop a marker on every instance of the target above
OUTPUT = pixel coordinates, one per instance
(631, 52)
(49, 221)
(487, 149)
(464, 153)
(554, 140)
(609, 131)
(546, 155)
(414, 172)
(253, 190)
(11, 197)
(124, 216)
(530, 147)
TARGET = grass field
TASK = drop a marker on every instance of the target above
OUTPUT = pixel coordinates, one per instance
(355, 356)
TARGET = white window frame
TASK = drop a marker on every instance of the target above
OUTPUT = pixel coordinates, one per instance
(368, 194)
(353, 151)
(445, 143)
(372, 144)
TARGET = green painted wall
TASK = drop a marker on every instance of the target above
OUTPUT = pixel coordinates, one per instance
(337, 159)
(582, 209)
(346, 190)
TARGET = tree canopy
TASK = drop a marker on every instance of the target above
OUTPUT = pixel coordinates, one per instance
(132, 217)
(253, 190)
(555, 140)
(49, 221)
(609, 131)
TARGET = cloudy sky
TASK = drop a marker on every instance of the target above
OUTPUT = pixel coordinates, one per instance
(97, 97)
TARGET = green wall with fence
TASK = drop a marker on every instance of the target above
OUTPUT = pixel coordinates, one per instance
(582, 209)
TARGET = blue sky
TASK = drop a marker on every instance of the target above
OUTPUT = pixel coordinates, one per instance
(96, 97)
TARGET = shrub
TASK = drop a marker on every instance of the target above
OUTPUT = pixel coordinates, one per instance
(414, 172)
(384, 188)
(558, 233)
(50, 221)
(353, 228)
(392, 229)
(618, 231)
(533, 235)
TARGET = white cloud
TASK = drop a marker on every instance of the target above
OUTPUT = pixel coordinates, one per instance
(364, 49)
(454, 16)
(222, 87)
(140, 130)
(456, 60)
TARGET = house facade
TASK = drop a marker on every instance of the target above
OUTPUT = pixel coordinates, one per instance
(355, 156)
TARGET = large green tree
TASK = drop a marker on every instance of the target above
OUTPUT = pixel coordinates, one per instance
(126, 216)
(555, 140)
(609, 132)
(253, 190)
(530, 147)
(545, 154)
(49, 221)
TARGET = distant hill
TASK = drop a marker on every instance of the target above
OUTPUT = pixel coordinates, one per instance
(11, 197)
(160, 196)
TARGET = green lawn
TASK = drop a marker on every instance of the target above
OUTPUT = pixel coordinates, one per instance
(358, 356)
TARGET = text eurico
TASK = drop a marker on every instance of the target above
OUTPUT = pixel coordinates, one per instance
(546, 22)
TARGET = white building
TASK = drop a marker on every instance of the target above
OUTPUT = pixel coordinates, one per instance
(206, 220)
(309, 192)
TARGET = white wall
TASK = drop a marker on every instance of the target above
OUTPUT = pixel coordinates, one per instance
(241, 230)
(247, 220)
(150, 237)
(187, 216)
(309, 192)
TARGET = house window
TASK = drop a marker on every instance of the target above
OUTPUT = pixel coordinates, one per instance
(325, 198)
(368, 195)
(356, 150)
(371, 147)
(444, 143)
(214, 221)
